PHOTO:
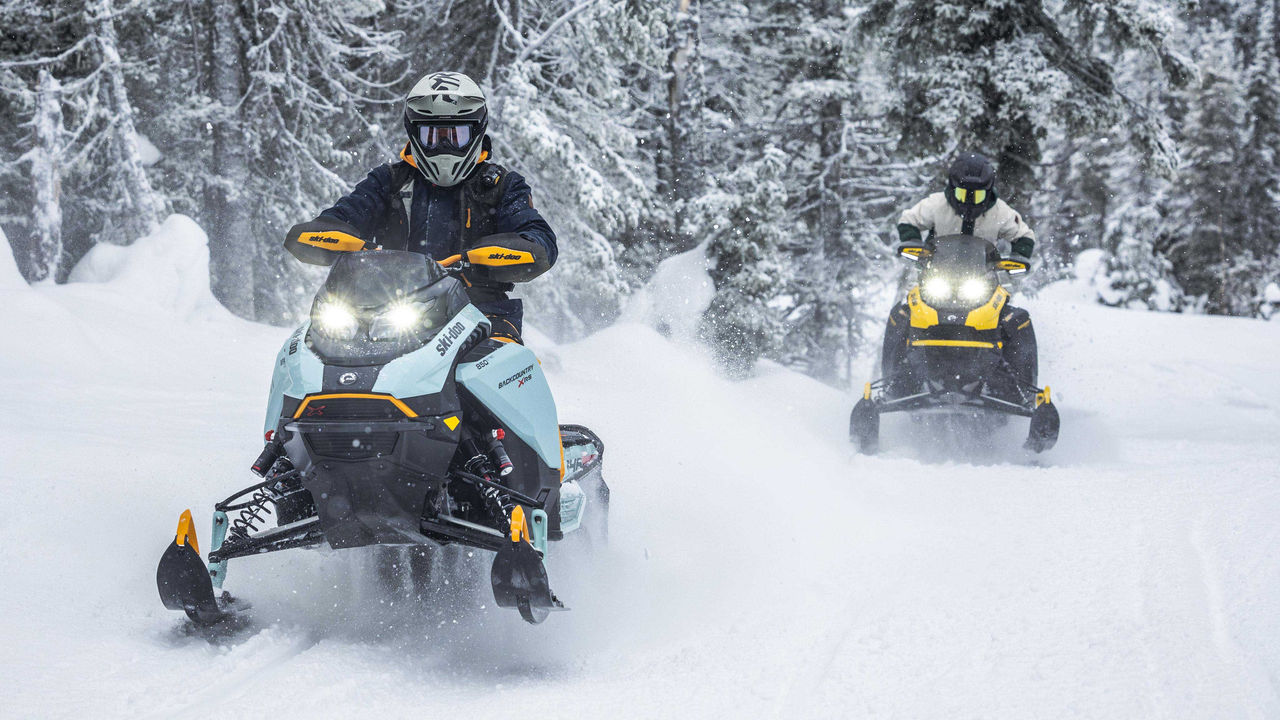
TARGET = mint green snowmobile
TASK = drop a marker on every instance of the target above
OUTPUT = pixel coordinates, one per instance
(395, 419)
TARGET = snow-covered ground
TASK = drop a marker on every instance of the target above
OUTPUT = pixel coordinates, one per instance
(758, 568)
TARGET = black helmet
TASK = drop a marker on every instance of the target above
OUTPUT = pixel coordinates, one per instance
(971, 185)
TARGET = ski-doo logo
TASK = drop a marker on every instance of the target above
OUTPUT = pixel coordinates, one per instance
(520, 378)
(447, 337)
(505, 256)
(347, 378)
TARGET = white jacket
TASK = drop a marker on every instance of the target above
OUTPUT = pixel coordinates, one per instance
(999, 222)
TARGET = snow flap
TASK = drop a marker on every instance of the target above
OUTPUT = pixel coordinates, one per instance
(168, 268)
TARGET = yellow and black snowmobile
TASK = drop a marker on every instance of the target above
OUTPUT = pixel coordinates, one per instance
(957, 347)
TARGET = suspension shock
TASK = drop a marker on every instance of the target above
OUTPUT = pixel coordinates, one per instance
(496, 502)
(251, 514)
(279, 478)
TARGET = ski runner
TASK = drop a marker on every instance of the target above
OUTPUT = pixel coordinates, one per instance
(969, 206)
(441, 197)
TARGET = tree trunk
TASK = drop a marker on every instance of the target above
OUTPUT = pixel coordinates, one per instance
(684, 99)
(144, 207)
(46, 175)
(231, 238)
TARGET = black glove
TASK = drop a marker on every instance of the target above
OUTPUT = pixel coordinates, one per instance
(506, 258)
(318, 242)
(1022, 247)
(909, 234)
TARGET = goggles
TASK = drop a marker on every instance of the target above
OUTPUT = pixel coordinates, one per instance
(444, 137)
(978, 196)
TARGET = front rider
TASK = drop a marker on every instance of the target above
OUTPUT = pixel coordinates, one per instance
(442, 197)
(969, 206)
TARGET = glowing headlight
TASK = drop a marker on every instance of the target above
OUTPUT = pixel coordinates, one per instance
(396, 320)
(937, 290)
(337, 321)
(974, 290)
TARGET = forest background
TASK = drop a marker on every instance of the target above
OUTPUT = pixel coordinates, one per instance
(1138, 137)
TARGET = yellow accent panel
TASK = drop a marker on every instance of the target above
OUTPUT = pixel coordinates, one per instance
(187, 531)
(1012, 266)
(495, 256)
(561, 451)
(866, 391)
(367, 396)
(452, 423)
(517, 524)
(407, 156)
(953, 343)
(451, 260)
(332, 240)
(922, 316)
(1043, 397)
(1023, 325)
(987, 317)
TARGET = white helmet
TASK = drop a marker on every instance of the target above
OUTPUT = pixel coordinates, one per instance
(445, 115)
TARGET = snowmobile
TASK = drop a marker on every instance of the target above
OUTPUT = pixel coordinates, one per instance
(395, 419)
(955, 358)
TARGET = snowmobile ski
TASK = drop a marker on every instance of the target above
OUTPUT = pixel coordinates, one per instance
(184, 582)
(518, 576)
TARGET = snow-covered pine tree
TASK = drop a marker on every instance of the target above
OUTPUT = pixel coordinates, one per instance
(997, 76)
(285, 103)
(1205, 213)
(1258, 181)
(566, 114)
(747, 228)
(97, 172)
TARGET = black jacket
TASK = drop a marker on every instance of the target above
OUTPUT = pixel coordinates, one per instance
(442, 221)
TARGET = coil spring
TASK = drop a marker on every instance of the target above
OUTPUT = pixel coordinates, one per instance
(499, 503)
(251, 513)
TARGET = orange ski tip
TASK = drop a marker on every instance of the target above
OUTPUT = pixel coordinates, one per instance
(187, 531)
(517, 523)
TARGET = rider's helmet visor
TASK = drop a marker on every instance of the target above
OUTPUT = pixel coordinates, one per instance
(444, 137)
(964, 195)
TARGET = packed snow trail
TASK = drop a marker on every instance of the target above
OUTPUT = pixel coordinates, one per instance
(757, 567)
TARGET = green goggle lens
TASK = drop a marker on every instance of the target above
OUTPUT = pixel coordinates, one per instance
(979, 196)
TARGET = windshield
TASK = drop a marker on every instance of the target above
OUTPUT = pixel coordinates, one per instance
(376, 306)
(960, 272)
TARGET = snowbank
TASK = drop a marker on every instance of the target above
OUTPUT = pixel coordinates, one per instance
(168, 269)
(10, 278)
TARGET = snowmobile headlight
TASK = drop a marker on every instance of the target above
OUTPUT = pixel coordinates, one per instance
(937, 290)
(975, 290)
(397, 320)
(337, 321)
